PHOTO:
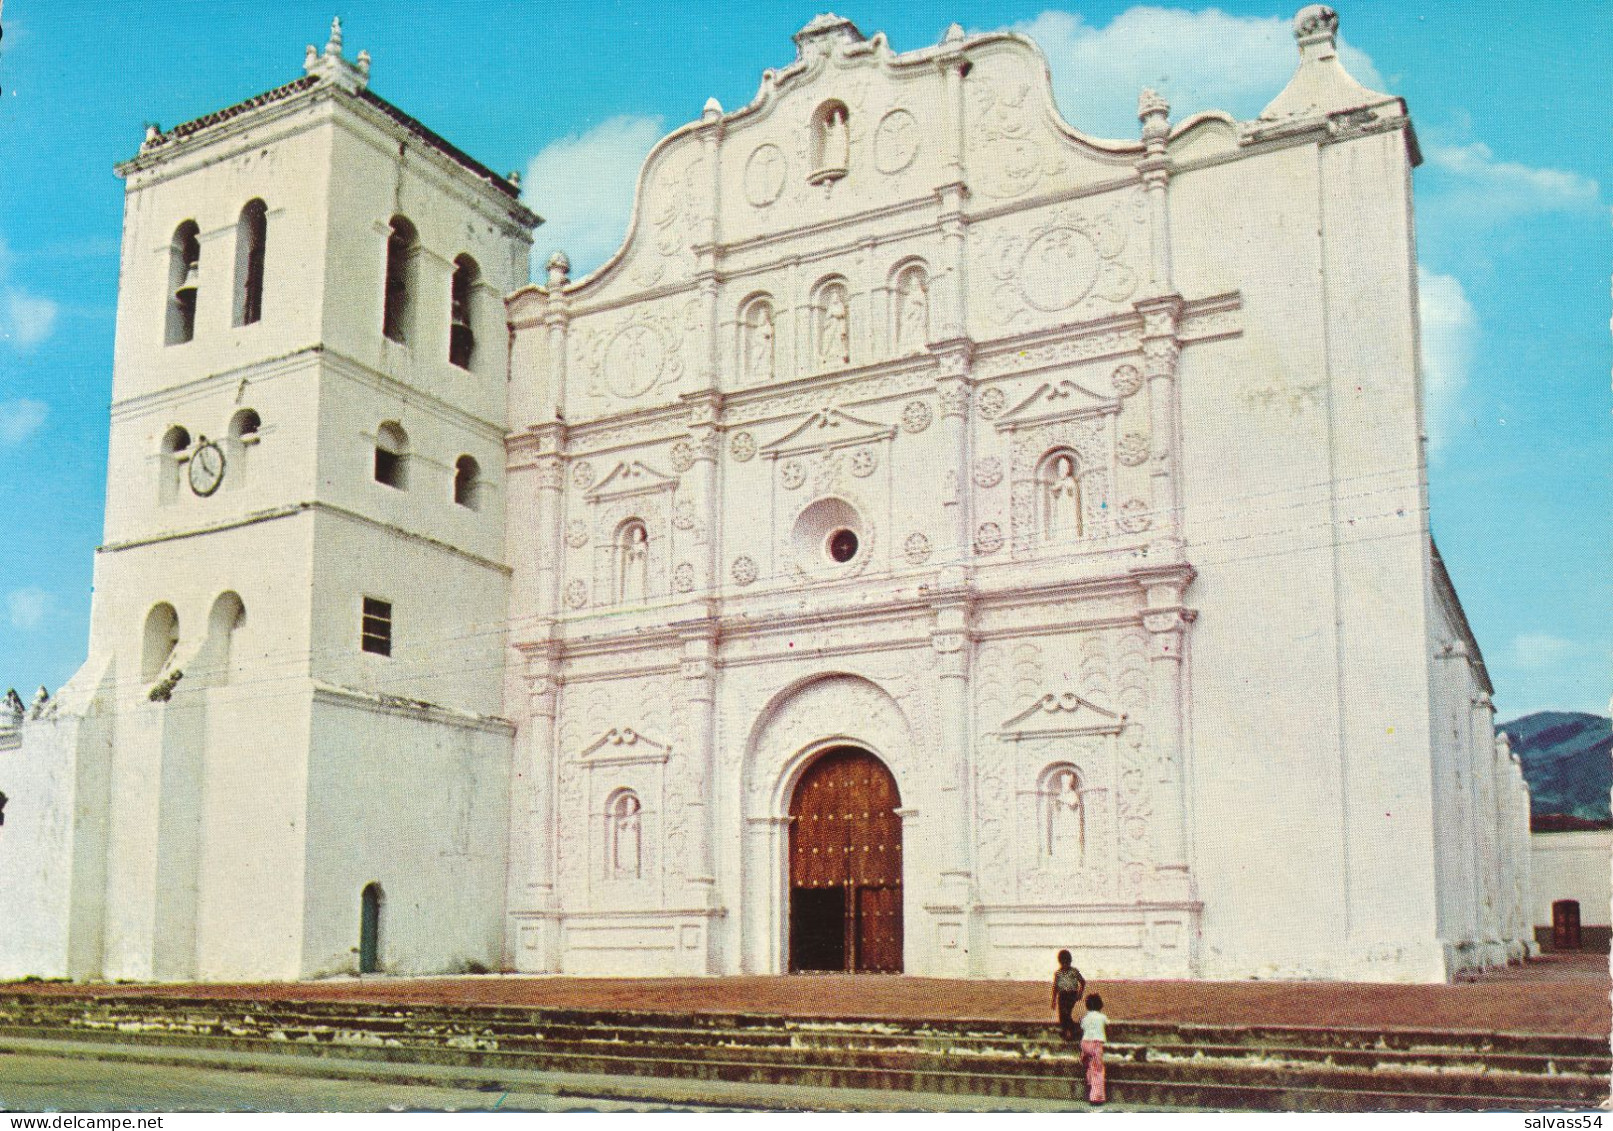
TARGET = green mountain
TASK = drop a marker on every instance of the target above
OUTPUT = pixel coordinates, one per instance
(1567, 760)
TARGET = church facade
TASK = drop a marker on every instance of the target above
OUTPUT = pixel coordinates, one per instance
(935, 538)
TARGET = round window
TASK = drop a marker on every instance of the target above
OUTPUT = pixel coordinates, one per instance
(843, 545)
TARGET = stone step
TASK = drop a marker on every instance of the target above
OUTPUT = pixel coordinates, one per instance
(510, 1035)
(1217, 1085)
(1154, 1034)
(448, 1024)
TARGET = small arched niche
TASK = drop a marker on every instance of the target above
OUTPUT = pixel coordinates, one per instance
(632, 552)
(184, 269)
(402, 252)
(172, 453)
(1059, 505)
(392, 455)
(251, 243)
(160, 640)
(830, 141)
(468, 482)
(910, 309)
(463, 312)
(624, 836)
(226, 619)
(756, 353)
(1061, 817)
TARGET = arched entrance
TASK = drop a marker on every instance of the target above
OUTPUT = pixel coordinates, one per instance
(369, 929)
(846, 865)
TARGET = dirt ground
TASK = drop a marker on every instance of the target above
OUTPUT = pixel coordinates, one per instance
(1566, 994)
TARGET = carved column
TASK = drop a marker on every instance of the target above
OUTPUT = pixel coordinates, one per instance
(704, 410)
(948, 291)
(699, 671)
(557, 321)
(1166, 620)
(1161, 350)
(1155, 169)
(955, 390)
(950, 639)
(543, 694)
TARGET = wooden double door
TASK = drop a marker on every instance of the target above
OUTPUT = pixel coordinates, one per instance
(846, 866)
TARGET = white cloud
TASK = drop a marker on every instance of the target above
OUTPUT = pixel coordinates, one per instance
(1480, 187)
(28, 607)
(30, 319)
(1204, 60)
(583, 186)
(25, 319)
(1449, 330)
(20, 419)
(1537, 650)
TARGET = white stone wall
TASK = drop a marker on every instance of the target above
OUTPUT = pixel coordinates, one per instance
(1240, 635)
(1572, 865)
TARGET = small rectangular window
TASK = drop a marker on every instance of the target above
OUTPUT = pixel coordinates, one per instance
(375, 635)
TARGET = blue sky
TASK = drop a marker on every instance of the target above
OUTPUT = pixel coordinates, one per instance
(1510, 104)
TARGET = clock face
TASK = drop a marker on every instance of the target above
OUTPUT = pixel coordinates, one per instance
(206, 469)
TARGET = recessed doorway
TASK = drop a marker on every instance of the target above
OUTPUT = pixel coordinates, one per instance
(846, 866)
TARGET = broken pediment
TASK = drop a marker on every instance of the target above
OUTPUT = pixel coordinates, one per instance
(828, 427)
(1063, 713)
(630, 477)
(624, 745)
(1058, 400)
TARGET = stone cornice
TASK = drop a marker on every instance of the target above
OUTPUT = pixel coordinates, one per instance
(297, 361)
(290, 510)
(397, 705)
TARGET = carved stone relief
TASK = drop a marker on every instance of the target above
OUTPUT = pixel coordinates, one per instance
(1071, 260)
(765, 173)
(992, 402)
(1132, 449)
(916, 549)
(916, 416)
(896, 142)
(745, 571)
(1007, 158)
(742, 447)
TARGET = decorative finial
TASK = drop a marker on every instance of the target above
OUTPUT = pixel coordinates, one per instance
(1315, 22)
(333, 45)
(514, 178)
(953, 33)
(713, 109)
(364, 63)
(310, 57)
(559, 270)
(153, 133)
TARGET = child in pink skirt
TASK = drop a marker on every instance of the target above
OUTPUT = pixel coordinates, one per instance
(1094, 1031)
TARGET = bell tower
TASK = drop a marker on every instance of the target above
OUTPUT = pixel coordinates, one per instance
(297, 638)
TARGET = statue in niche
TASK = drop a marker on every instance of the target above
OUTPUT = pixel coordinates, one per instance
(834, 329)
(912, 313)
(633, 582)
(835, 140)
(759, 343)
(626, 838)
(1065, 820)
(1061, 505)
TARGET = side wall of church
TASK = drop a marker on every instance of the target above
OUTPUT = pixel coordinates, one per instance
(1305, 521)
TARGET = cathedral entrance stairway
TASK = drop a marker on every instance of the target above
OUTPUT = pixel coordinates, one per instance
(756, 1061)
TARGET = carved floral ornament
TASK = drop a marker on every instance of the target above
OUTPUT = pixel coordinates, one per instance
(916, 416)
(1132, 449)
(683, 577)
(742, 447)
(744, 570)
(992, 402)
(916, 549)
